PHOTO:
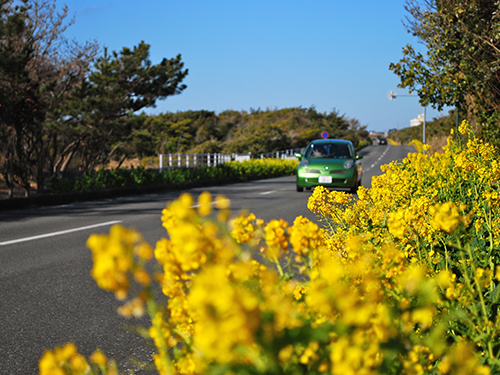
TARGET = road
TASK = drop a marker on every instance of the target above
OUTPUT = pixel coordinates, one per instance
(47, 296)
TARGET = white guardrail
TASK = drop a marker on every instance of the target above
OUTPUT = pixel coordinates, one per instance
(211, 160)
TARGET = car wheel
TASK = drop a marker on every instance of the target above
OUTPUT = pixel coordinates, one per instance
(354, 189)
(300, 189)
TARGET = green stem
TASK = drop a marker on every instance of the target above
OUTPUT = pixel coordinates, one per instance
(152, 311)
(466, 277)
(278, 266)
(483, 304)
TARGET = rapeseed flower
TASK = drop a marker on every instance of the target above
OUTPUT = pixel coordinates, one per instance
(276, 237)
(245, 229)
(445, 216)
(403, 279)
(113, 258)
(63, 360)
(226, 315)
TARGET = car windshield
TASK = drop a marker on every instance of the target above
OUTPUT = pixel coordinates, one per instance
(329, 150)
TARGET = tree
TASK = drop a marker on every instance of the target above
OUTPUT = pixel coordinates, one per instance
(119, 85)
(57, 66)
(461, 65)
(38, 70)
(58, 101)
(20, 113)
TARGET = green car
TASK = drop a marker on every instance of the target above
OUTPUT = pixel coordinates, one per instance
(332, 163)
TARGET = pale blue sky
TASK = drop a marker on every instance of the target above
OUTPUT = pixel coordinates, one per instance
(333, 55)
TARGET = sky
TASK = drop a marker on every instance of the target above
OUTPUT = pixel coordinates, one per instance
(267, 54)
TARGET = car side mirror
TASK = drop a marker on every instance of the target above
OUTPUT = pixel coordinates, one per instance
(298, 156)
(358, 156)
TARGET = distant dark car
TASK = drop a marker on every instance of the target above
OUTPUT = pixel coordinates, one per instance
(332, 163)
(381, 141)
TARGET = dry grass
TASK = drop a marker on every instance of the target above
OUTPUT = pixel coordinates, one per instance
(437, 143)
(128, 163)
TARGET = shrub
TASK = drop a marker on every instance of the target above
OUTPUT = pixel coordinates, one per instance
(403, 280)
(173, 178)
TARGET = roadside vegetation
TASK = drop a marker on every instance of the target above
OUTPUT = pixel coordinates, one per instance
(405, 279)
(173, 178)
(458, 64)
(437, 131)
(258, 131)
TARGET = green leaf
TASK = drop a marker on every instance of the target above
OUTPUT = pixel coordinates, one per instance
(495, 295)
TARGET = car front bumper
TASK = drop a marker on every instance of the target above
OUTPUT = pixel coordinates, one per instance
(335, 179)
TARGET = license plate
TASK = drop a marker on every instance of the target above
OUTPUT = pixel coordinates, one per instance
(325, 179)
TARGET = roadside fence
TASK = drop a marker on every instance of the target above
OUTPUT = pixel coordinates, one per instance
(214, 159)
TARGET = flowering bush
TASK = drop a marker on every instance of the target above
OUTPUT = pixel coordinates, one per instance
(173, 178)
(402, 280)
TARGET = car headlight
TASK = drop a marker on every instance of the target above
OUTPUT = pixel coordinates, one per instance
(348, 164)
(304, 163)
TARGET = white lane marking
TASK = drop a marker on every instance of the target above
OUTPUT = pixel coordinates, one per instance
(268, 192)
(59, 233)
(199, 205)
(378, 160)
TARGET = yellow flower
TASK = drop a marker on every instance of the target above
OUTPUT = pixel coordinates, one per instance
(78, 363)
(423, 317)
(397, 223)
(144, 251)
(464, 127)
(189, 365)
(134, 308)
(286, 353)
(60, 360)
(222, 203)
(309, 353)
(226, 315)
(204, 203)
(305, 236)
(299, 291)
(244, 230)
(48, 364)
(113, 257)
(445, 216)
(98, 358)
(276, 238)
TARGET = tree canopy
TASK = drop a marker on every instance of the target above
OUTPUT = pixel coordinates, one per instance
(120, 84)
(257, 131)
(58, 102)
(461, 63)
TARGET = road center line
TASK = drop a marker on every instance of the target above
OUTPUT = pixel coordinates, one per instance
(378, 160)
(199, 205)
(268, 192)
(59, 233)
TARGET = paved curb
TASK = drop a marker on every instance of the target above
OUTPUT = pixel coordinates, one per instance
(66, 198)
(60, 199)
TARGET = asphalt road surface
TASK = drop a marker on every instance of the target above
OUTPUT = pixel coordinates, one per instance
(47, 296)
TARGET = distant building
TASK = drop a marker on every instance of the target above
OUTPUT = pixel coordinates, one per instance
(374, 133)
(417, 121)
